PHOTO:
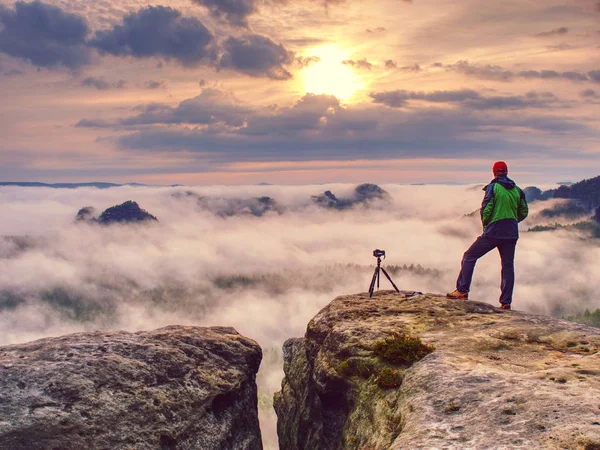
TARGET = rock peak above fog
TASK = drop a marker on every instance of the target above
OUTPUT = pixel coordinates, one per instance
(362, 195)
(127, 212)
(494, 379)
(176, 387)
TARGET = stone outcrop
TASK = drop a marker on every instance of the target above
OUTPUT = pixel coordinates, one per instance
(486, 378)
(229, 207)
(128, 212)
(173, 388)
(363, 195)
(86, 214)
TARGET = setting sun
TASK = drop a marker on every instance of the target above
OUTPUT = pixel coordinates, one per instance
(329, 75)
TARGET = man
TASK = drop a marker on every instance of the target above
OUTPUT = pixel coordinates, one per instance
(503, 206)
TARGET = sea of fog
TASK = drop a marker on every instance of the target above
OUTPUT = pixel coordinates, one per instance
(210, 261)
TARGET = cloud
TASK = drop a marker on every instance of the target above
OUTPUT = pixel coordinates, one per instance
(555, 32)
(544, 95)
(486, 72)
(549, 74)
(252, 273)
(539, 74)
(559, 48)
(305, 42)
(306, 61)
(574, 76)
(153, 84)
(158, 31)
(399, 98)
(390, 64)
(211, 106)
(8, 69)
(467, 98)
(361, 64)
(497, 73)
(257, 56)
(101, 84)
(307, 114)
(376, 30)
(13, 72)
(338, 2)
(318, 127)
(511, 102)
(235, 12)
(86, 123)
(414, 68)
(44, 35)
(589, 93)
(230, 207)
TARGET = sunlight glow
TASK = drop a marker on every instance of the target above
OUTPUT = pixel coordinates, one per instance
(329, 75)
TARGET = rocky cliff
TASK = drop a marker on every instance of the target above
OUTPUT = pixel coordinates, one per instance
(426, 372)
(173, 388)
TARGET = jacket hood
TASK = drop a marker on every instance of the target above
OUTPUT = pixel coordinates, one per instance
(504, 181)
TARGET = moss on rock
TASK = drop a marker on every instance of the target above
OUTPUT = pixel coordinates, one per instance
(402, 349)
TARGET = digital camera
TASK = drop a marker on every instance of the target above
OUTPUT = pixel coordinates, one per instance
(379, 253)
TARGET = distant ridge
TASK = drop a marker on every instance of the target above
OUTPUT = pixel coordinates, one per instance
(99, 185)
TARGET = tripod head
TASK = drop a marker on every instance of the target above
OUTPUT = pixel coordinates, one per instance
(379, 253)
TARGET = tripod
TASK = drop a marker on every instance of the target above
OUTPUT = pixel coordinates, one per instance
(376, 277)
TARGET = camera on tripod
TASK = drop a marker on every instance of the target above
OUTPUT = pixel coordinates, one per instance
(378, 253)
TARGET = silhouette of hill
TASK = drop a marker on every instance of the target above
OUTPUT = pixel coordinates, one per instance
(229, 207)
(362, 195)
(86, 214)
(99, 185)
(126, 212)
(533, 193)
(570, 209)
(587, 191)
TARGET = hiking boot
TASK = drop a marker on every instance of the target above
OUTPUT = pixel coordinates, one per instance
(457, 295)
(504, 306)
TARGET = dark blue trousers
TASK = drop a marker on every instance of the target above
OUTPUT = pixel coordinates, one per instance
(483, 244)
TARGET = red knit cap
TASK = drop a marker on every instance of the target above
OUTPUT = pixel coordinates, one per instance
(498, 166)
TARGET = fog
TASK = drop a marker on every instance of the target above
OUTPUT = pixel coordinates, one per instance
(207, 262)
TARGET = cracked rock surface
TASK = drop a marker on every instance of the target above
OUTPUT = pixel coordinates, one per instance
(496, 379)
(173, 388)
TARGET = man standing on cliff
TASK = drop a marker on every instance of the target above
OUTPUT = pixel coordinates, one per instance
(503, 207)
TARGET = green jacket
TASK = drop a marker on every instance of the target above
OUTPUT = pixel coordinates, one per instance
(503, 206)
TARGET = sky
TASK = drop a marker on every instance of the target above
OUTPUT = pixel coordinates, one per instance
(238, 92)
(209, 262)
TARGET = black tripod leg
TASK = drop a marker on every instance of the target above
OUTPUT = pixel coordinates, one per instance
(388, 277)
(375, 276)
